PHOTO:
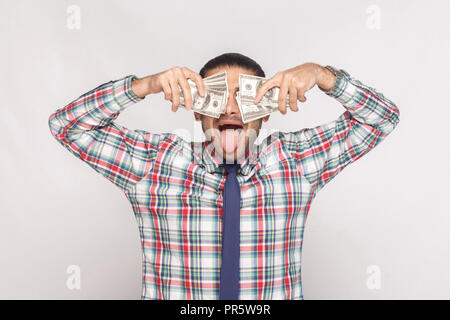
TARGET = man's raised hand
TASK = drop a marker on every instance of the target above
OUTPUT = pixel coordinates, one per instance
(296, 82)
(168, 82)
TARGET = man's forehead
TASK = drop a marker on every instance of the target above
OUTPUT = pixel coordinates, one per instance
(230, 70)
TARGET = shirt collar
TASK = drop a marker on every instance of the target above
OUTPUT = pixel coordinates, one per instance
(204, 155)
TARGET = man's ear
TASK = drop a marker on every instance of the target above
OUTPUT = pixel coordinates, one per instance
(197, 116)
(266, 118)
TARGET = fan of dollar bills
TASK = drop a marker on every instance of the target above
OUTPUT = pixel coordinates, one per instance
(214, 102)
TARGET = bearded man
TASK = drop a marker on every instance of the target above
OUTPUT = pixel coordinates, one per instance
(223, 219)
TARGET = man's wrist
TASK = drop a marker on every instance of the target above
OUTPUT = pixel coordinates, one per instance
(140, 87)
(326, 79)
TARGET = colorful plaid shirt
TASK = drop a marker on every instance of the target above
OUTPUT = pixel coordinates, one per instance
(175, 188)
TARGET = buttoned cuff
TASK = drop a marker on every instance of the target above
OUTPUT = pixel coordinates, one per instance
(123, 94)
(343, 89)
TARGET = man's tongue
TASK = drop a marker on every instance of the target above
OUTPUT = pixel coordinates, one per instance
(230, 139)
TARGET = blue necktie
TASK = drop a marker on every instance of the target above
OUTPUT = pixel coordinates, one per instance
(229, 271)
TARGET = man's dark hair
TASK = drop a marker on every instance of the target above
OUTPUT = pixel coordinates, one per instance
(233, 59)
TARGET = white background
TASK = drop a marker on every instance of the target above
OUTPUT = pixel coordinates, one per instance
(388, 209)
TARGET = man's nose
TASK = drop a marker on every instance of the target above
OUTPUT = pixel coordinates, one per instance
(232, 107)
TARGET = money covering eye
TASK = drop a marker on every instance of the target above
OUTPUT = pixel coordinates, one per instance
(214, 102)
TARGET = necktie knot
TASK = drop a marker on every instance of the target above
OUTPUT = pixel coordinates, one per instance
(232, 167)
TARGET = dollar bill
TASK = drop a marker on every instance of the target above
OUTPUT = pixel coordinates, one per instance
(248, 87)
(214, 102)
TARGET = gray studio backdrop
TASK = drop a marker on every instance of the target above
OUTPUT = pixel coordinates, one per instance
(379, 230)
